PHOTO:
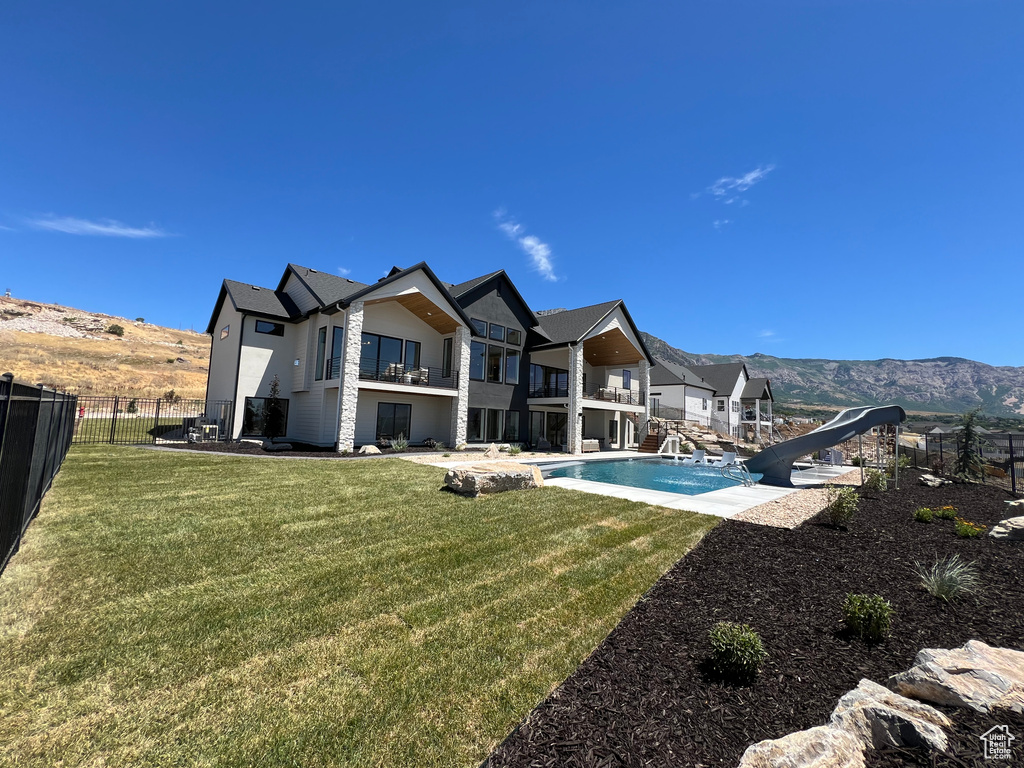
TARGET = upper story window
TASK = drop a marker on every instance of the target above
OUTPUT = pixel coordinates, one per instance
(627, 379)
(477, 360)
(379, 353)
(479, 326)
(721, 406)
(446, 356)
(497, 332)
(494, 360)
(514, 337)
(225, 332)
(321, 352)
(412, 354)
(337, 350)
(271, 329)
(735, 406)
(511, 366)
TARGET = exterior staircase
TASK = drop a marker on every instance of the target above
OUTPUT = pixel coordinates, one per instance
(651, 443)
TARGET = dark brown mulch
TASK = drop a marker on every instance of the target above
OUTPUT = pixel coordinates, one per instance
(643, 698)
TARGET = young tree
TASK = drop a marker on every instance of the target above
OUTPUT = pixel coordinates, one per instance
(275, 421)
(968, 459)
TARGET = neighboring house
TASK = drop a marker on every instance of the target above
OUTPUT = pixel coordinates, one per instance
(736, 401)
(414, 357)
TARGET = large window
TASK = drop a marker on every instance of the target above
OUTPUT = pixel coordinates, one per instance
(536, 426)
(497, 332)
(479, 326)
(494, 361)
(337, 350)
(271, 329)
(475, 425)
(512, 427)
(379, 353)
(394, 420)
(721, 406)
(613, 430)
(548, 382)
(412, 354)
(556, 429)
(259, 415)
(321, 350)
(627, 379)
(446, 356)
(514, 337)
(511, 366)
(495, 425)
(477, 360)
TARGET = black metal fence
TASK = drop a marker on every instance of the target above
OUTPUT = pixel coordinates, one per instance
(35, 434)
(1002, 456)
(135, 421)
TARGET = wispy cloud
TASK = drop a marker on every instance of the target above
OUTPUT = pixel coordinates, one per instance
(6, 229)
(729, 189)
(766, 334)
(344, 271)
(719, 223)
(538, 251)
(102, 227)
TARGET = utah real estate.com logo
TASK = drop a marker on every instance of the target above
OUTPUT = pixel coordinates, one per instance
(996, 742)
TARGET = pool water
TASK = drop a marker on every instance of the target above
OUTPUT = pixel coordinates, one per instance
(652, 474)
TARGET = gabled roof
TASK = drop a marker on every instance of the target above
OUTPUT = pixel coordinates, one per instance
(462, 289)
(757, 389)
(254, 300)
(668, 374)
(571, 325)
(721, 377)
(326, 288)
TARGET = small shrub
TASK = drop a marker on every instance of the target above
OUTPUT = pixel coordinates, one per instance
(170, 361)
(430, 443)
(874, 481)
(460, 447)
(399, 444)
(945, 513)
(133, 406)
(140, 319)
(868, 616)
(949, 578)
(439, 446)
(446, 455)
(70, 319)
(700, 446)
(115, 330)
(923, 515)
(515, 449)
(842, 505)
(965, 529)
(856, 461)
(180, 343)
(736, 650)
(905, 463)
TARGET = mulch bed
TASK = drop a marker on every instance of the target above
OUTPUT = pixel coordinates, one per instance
(646, 698)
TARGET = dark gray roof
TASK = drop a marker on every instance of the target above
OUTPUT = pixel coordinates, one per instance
(573, 324)
(461, 288)
(756, 389)
(254, 300)
(721, 377)
(667, 374)
(327, 288)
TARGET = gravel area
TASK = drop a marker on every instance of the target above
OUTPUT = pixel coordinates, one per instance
(791, 510)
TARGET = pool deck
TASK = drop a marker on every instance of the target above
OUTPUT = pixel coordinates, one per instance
(726, 502)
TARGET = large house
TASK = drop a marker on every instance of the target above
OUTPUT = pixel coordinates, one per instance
(411, 356)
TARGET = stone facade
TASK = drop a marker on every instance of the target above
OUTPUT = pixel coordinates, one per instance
(460, 404)
(349, 392)
(574, 427)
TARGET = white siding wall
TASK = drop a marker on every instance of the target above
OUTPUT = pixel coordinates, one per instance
(263, 357)
(555, 358)
(392, 319)
(431, 416)
(224, 354)
(300, 294)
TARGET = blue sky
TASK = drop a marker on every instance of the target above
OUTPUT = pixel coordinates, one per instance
(802, 178)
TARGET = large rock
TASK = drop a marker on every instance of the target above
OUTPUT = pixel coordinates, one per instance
(370, 450)
(934, 482)
(977, 677)
(881, 718)
(492, 452)
(492, 477)
(1012, 529)
(821, 747)
(269, 446)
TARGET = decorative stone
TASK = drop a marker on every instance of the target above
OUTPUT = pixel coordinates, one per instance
(492, 452)
(1012, 529)
(274, 447)
(1017, 503)
(821, 747)
(493, 477)
(881, 718)
(370, 450)
(934, 482)
(976, 676)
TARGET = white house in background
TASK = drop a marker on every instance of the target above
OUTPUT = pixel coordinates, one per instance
(723, 397)
(415, 357)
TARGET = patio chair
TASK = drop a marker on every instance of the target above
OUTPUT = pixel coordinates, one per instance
(728, 460)
(698, 457)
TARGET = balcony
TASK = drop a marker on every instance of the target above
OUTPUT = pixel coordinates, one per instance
(372, 369)
(593, 392)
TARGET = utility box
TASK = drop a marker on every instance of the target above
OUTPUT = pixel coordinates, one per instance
(831, 456)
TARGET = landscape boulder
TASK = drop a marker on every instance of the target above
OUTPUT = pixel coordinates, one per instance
(881, 718)
(274, 447)
(934, 482)
(492, 477)
(492, 452)
(821, 747)
(1012, 529)
(370, 450)
(976, 676)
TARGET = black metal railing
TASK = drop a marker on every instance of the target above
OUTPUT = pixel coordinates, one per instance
(372, 369)
(121, 420)
(549, 391)
(1001, 456)
(613, 394)
(35, 434)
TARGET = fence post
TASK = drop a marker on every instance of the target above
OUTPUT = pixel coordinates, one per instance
(43, 479)
(156, 421)
(1013, 465)
(113, 419)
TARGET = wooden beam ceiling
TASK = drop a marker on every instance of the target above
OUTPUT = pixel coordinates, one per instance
(611, 348)
(424, 309)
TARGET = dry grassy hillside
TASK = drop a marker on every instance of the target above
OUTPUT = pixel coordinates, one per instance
(69, 349)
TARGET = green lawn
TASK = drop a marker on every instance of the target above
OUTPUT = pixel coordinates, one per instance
(188, 610)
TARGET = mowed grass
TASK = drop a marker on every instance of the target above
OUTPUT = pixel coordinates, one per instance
(171, 609)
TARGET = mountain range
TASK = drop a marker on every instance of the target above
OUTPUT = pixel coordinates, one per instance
(935, 385)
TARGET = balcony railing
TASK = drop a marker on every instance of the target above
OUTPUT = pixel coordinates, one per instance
(549, 391)
(371, 369)
(594, 392)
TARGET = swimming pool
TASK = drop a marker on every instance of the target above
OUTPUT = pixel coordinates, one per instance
(652, 474)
